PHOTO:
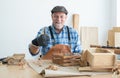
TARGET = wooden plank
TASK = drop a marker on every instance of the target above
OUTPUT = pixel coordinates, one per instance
(89, 35)
(117, 39)
(111, 37)
(95, 69)
(116, 29)
(76, 22)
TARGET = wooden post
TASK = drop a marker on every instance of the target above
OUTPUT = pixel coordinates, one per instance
(76, 22)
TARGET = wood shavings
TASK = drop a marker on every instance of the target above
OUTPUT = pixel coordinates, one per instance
(52, 67)
(116, 73)
(22, 63)
(1, 63)
(38, 62)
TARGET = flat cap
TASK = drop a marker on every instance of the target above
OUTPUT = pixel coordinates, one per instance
(59, 9)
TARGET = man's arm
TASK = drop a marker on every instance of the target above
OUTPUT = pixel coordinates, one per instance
(33, 49)
(78, 47)
(41, 40)
(34, 46)
(77, 42)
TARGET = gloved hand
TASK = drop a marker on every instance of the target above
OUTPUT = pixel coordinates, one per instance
(42, 40)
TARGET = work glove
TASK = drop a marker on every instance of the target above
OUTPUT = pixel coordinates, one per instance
(41, 40)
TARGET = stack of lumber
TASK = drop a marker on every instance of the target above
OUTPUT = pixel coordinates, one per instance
(66, 59)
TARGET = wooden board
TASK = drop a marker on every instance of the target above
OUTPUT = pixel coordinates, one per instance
(116, 29)
(111, 37)
(93, 69)
(89, 35)
(117, 39)
(76, 21)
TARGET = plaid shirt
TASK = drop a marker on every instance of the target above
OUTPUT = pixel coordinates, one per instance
(61, 38)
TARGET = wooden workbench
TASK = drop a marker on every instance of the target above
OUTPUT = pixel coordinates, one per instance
(13, 71)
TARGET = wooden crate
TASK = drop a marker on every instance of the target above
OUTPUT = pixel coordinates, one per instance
(66, 60)
(101, 58)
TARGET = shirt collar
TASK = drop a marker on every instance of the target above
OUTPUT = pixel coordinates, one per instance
(62, 29)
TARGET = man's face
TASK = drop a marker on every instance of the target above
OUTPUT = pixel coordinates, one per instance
(59, 19)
